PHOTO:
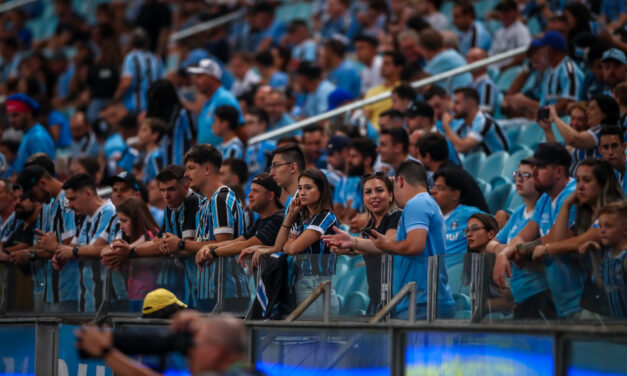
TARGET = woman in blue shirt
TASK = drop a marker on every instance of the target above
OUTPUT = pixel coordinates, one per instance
(310, 216)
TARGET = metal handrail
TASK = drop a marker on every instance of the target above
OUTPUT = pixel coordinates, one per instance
(323, 288)
(411, 289)
(377, 98)
(207, 25)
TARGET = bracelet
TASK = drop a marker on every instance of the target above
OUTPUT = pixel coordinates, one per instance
(212, 250)
(287, 227)
(133, 253)
(181, 245)
(546, 249)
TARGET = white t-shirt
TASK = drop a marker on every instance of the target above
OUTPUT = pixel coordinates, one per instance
(438, 21)
(371, 75)
(240, 86)
(506, 39)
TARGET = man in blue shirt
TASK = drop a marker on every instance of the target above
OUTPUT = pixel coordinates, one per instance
(448, 185)
(275, 105)
(139, 69)
(551, 163)
(343, 73)
(440, 60)
(421, 234)
(471, 32)
(21, 110)
(210, 95)
(316, 89)
(562, 82)
(257, 156)
(489, 94)
(303, 47)
(81, 195)
(339, 20)
(612, 149)
(472, 129)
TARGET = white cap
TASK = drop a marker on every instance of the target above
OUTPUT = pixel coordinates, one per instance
(207, 66)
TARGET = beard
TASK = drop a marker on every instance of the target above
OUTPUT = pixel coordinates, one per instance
(542, 188)
(356, 171)
(459, 115)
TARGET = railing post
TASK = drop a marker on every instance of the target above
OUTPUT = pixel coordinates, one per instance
(323, 288)
(219, 307)
(386, 281)
(326, 302)
(432, 287)
(411, 289)
(476, 287)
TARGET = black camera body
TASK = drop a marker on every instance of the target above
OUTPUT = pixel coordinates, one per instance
(543, 113)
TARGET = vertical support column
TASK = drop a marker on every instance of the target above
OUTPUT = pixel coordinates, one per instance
(46, 348)
(326, 302)
(476, 287)
(219, 307)
(432, 288)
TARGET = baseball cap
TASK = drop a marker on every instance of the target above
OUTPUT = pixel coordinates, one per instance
(337, 143)
(29, 177)
(21, 102)
(128, 178)
(337, 97)
(208, 67)
(550, 153)
(419, 108)
(270, 184)
(553, 39)
(159, 299)
(506, 5)
(614, 54)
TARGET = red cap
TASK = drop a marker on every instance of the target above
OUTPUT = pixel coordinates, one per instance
(17, 106)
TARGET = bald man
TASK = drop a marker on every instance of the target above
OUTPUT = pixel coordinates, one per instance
(220, 346)
(488, 92)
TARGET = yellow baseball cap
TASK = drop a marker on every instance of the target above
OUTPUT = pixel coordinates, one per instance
(159, 299)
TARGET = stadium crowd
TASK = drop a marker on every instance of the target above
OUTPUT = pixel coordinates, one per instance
(522, 161)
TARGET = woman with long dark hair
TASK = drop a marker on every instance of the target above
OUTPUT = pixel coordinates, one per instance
(164, 104)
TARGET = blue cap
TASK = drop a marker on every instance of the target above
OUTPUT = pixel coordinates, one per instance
(614, 54)
(194, 57)
(337, 143)
(337, 97)
(30, 102)
(553, 39)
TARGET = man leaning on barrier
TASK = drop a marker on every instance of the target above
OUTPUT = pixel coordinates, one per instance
(219, 345)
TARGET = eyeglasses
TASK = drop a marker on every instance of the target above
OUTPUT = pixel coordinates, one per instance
(472, 230)
(378, 174)
(521, 176)
(274, 166)
(439, 188)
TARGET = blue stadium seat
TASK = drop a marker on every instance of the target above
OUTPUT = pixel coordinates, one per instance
(513, 202)
(355, 303)
(531, 135)
(473, 161)
(454, 273)
(483, 7)
(497, 199)
(493, 165)
(485, 187)
(534, 26)
(512, 136)
(462, 302)
(507, 77)
(462, 315)
(499, 180)
(514, 161)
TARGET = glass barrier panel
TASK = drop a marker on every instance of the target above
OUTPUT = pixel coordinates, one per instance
(358, 284)
(458, 353)
(21, 289)
(491, 302)
(595, 357)
(17, 347)
(314, 351)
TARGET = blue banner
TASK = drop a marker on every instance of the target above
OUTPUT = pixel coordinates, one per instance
(70, 364)
(17, 350)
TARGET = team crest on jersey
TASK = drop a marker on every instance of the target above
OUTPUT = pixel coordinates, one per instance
(454, 225)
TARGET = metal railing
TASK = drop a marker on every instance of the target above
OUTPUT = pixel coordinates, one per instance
(383, 96)
(14, 4)
(323, 289)
(208, 25)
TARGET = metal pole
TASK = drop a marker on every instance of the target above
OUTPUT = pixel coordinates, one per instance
(377, 98)
(308, 301)
(208, 25)
(407, 289)
(219, 307)
(476, 287)
(326, 302)
(432, 288)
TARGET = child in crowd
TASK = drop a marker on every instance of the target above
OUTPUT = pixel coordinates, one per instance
(225, 123)
(149, 134)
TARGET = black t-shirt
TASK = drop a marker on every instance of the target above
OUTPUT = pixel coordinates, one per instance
(102, 81)
(373, 262)
(471, 195)
(22, 235)
(266, 229)
(153, 17)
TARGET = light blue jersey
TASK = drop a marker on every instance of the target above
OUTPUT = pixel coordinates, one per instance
(35, 140)
(257, 157)
(279, 80)
(346, 26)
(456, 243)
(476, 36)
(346, 76)
(445, 61)
(153, 163)
(421, 212)
(485, 130)
(562, 273)
(144, 68)
(92, 276)
(221, 97)
(180, 137)
(347, 190)
(489, 94)
(562, 82)
(119, 291)
(232, 149)
(317, 102)
(220, 214)
(56, 217)
(87, 146)
(524, 283)
(305, 51)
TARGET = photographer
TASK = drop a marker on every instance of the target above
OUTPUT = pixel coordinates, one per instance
(219, 344)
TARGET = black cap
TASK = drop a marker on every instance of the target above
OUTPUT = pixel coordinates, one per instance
(506, 5)
(337, 143)
(270, 184)
(550, 153)
(419, 108)
(29, 177)
(127, 178)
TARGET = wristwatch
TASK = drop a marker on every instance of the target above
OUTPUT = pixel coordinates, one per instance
(32, 255)
(181, 244)
(133, 253)
(75, 252)
(212, 250)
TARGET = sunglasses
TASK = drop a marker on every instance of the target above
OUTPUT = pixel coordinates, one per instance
(378, 174)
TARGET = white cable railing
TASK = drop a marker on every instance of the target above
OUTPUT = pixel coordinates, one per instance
(377, 98)
(207, 25)
(5, 7)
